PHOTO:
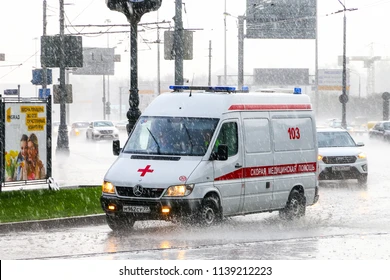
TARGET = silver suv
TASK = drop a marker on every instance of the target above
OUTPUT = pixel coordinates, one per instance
(339, 157)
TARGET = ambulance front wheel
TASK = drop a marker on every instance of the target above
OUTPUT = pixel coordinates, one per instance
(210, 212)
(295, 207)
(120, 223)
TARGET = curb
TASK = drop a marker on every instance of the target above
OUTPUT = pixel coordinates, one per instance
(53, 223)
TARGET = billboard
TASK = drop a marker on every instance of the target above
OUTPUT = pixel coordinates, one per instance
(331, 79)
(281, 19)
(280, 76)
(97, 61)
(26, 148)
(51, 51)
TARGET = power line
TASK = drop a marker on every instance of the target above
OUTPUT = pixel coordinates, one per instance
(18, 65)
(117, 25)
(102, 32)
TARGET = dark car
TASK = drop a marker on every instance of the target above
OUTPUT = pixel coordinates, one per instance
(381, 130)
(78, 128)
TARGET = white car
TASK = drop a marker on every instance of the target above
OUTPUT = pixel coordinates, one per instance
(121, 125)
(340, 157)
(102, 129)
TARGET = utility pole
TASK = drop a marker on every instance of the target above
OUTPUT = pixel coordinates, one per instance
(344, 97)
(108, 77)
(67, 82)
(225, 60)
(209, 63)
(62, 140)
(44, 72)
(344, 100)
(104, 97)
(158, 58)
(316, 96)
(178, 44)
(240, 52)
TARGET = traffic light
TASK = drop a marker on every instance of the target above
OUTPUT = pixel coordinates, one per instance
(108, 108)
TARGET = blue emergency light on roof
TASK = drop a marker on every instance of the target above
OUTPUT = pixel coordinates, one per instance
(297, 90)
(205, 88)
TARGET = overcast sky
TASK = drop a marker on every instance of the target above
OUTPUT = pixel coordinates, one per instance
(21, 28)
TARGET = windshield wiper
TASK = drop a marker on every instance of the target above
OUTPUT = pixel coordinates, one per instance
(189, 138)
(154, 138)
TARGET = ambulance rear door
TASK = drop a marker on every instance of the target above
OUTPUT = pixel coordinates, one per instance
(258, 160)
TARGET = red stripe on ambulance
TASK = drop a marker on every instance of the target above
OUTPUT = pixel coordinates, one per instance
(275, 170)
(267, 107)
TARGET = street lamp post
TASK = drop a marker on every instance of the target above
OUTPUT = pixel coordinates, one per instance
(133, 10)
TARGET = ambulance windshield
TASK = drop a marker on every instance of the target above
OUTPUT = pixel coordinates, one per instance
(171, 136)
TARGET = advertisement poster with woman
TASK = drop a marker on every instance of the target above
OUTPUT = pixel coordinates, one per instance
(25, 156)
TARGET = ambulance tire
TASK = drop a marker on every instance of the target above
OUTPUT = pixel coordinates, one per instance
(120, 223)
(210, 213)
(295, 207)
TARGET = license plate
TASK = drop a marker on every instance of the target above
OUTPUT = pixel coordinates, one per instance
(341, 168)
(136, 209)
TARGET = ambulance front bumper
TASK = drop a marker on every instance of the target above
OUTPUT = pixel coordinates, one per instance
(159, 209)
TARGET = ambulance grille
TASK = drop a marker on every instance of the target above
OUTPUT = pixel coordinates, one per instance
(339, 160)
(146, 192)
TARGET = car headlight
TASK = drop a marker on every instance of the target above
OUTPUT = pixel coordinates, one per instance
(108, 187)
(320, 157)
(362, 155)
(179, 190)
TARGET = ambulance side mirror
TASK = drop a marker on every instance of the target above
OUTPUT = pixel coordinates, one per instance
(221, 154)
(116, 147)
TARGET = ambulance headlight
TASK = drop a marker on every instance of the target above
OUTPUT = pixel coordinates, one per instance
(108, 187)
(320, 158)
(179, 190)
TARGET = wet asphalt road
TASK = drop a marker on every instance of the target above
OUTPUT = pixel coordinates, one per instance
(348, 223)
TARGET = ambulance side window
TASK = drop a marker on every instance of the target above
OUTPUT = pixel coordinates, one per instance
(228, 135)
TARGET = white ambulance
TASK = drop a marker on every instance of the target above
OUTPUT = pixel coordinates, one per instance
(199, 154)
